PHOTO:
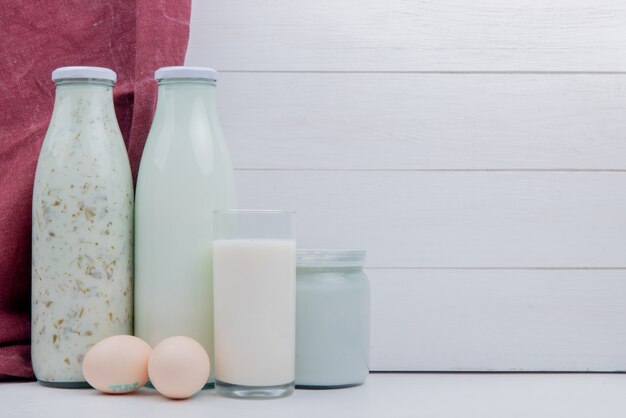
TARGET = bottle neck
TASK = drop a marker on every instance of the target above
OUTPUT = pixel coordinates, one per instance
(185, 98)
(84, 100)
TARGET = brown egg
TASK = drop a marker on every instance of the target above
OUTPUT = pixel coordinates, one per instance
(179, 367)
(117, 364)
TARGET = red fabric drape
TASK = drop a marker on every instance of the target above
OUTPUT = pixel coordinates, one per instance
(133, 38)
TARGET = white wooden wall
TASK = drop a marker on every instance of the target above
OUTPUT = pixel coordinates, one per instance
(477, 150)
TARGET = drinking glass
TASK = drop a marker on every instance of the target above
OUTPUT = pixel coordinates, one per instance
(254, 265)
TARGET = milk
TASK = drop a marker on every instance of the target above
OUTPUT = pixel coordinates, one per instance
(185, 174)
(254, 285)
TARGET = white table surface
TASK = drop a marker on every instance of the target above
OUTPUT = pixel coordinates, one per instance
(382, 396)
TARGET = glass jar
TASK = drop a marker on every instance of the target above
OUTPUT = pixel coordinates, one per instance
(82, 230)
(185, 174)
(332, 319)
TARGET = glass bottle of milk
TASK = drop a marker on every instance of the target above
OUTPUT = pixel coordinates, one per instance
(185, 174)
(82, 234)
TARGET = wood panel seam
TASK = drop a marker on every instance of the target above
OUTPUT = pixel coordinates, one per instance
(616, 268)
(428, 72)
(448, 170)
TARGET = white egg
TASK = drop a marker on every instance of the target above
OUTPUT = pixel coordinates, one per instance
(179, 367)
(117, 364)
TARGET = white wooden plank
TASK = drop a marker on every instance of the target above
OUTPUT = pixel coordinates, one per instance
(453, 219)
(374, 35)
(425, 121)
(498, 320)
(384, 395)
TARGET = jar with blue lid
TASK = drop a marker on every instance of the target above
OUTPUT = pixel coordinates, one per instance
(333, 319)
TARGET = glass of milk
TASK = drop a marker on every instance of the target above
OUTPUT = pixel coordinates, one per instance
(254, 274)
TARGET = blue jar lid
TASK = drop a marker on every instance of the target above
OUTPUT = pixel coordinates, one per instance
(312, 258)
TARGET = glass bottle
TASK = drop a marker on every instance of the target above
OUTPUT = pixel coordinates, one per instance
(185, 174)
(82, 229)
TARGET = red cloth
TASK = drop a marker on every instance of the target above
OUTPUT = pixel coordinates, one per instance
(133, 38)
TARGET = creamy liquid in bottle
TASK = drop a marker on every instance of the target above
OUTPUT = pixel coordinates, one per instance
(185, 174)
(82, 228)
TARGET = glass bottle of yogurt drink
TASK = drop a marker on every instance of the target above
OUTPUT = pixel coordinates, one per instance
(185, 174)
(82, 233)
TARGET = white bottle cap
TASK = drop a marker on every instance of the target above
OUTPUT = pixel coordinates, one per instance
(186, 72)
(84, 72)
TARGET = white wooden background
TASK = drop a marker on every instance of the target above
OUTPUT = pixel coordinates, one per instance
(477, 150)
